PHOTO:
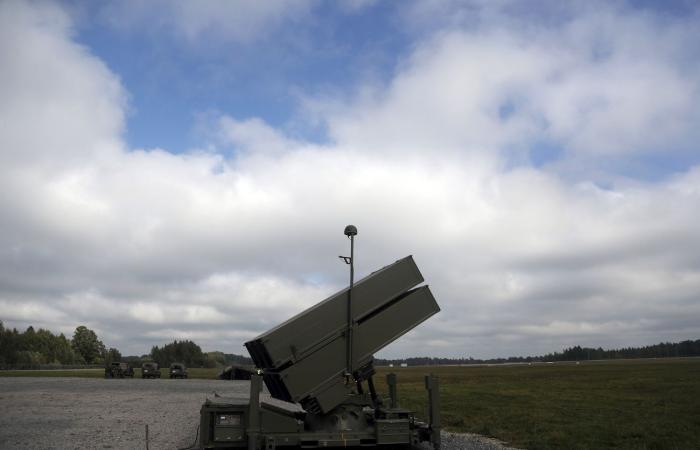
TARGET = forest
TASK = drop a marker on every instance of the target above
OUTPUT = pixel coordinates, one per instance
(33, 348)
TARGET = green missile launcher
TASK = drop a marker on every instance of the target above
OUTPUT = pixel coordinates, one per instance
(315, 366)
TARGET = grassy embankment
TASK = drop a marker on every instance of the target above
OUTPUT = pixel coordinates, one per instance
(640, 404)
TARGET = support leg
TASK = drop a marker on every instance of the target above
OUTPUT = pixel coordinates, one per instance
(432, 385)
(253, 430)
(391, 382)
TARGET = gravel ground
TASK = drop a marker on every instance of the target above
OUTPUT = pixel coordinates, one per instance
(78, 413)
(454, 441)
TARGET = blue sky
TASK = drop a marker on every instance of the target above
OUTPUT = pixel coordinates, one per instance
(185, 170)
(176, 82)
(172, 81)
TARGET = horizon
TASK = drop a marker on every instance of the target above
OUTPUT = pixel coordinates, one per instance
(400, 358)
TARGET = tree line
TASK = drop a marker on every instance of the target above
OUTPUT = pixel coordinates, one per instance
(190, 354)
(32, 348)
(576, 353)
(186, 352)
(660, 350)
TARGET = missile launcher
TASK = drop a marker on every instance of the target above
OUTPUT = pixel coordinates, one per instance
(316, 365)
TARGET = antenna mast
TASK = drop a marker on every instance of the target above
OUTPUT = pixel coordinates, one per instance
(350, 232)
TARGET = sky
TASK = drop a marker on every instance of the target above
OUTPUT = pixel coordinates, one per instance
(185, 170)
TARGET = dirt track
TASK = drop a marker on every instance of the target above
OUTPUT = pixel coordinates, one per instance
(78, 413)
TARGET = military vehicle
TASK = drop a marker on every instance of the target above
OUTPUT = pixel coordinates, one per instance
(119, 370)
(150, 370)
(178, 370)
(315, 366)
(236, 372)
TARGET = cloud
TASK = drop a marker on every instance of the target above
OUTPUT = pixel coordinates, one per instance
(51, 92)
(222, 20)
(253, 136)
(354, 6)
(146, 246)
(598, 87)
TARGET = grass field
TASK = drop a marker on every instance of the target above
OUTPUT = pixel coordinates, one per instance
(99, 373)
(627, 404)
(82, 373)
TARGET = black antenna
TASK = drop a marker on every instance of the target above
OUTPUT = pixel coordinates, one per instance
(350, 232)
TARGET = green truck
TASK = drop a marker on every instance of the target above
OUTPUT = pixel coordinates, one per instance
(178, 370)
(119, 370)
(150, 370)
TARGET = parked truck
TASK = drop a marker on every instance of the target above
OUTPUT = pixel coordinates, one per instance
(178, 370)
(119, 370)
(150, 370)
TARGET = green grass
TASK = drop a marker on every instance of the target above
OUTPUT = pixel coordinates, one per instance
(637, 404)
(632, 404)
(100, 373)
(83, 373)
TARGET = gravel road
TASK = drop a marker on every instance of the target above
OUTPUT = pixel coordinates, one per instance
(79, 413)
